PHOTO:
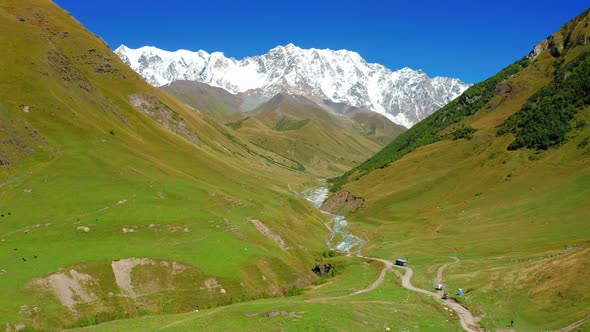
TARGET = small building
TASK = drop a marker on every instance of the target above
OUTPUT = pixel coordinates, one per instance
(401, 261)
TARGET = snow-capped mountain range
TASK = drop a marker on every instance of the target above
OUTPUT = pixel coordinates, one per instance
(404, 96)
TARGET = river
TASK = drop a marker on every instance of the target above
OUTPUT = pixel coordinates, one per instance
(348, 241)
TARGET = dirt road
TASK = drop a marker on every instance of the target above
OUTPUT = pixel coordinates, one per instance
(439, 273)
(373, 286)
(468, 322)
(575, 325)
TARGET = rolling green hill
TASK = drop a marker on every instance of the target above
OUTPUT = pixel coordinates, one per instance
(117, 200)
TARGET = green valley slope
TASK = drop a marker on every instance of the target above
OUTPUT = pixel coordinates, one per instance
(117, 200)
(500, 177)
(516, 219)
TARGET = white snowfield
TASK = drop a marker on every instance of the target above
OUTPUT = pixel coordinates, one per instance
(404, 96)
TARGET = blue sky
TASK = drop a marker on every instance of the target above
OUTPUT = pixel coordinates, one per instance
(471, 40)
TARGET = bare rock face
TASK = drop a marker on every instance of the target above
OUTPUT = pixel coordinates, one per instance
(503, 88)
(342, 202)
(555, 48)
(404, 96)
(151, 106)
(128, 285)
(322, 269)
(70, 287)
(570, 35)
(268, 233)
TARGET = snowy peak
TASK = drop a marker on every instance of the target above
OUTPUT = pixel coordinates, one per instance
(405, 96)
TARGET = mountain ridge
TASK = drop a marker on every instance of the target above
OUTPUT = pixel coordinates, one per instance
(405, 96)
(566, 44)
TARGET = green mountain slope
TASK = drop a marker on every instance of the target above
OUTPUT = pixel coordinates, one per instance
(564, 46)
(117, 200)
(499, 178)
(432, 128)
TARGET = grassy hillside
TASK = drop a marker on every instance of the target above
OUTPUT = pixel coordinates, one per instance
(430, 129)
(463, 183)
(117, 200)
(389, 307)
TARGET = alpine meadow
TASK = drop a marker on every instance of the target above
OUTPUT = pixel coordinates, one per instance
(301, 189)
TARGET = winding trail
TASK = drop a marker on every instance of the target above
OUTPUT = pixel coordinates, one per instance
(192, 317)
(439, 273)
(373, 286)
(468, 322)
(9, 181)
(575, 325)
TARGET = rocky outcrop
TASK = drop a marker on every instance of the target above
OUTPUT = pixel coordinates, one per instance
(555, 48)
(269, 234)
(322, 269)
(503, 89)
(70, 287)
(574, 33)
(343, 202)
(164, 115)
(121, 288)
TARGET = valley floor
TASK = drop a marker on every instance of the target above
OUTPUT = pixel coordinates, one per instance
(371, 294)
(385, 304)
